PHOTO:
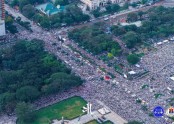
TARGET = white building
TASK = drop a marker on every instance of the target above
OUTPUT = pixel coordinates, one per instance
(2, 18)
(93, 4)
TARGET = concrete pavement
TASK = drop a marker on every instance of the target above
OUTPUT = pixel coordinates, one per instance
(16, 14)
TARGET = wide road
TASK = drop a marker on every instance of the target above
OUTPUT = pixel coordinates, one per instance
(168, 3)
(115, 17)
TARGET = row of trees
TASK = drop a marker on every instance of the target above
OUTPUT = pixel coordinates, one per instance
(159, 23)
(22, 3)
(110, 9)
(95, 40)
(71, 15)
(28, 72)
(61, 2)
(128, 34)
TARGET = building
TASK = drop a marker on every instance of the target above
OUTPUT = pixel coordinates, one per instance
(2, 18)
(94, 4)
(49, 9)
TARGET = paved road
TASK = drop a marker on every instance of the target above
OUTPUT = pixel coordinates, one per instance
(168, 3)
(16, 14)
(112, 18)
(114, 117)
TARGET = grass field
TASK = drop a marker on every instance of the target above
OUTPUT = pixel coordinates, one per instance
(95, 122)
(92, 122)
(107, 122)
(69, 109)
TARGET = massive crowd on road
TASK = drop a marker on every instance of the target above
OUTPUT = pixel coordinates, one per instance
(121, 96)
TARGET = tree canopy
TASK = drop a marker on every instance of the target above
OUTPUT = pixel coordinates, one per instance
(131, 39)
(134, 122)
(157, 23)
(133, 58)
(95, 39)
(27, 72)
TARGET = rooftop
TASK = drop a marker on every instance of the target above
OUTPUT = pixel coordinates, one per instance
(49, 8)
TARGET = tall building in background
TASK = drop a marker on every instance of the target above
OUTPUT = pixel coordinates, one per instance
(2, 18)
(93, 4)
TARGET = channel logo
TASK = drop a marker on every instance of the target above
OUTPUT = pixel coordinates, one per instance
(158, 111)
(170, 112)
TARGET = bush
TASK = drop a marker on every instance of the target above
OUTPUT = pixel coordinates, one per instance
(133, 59)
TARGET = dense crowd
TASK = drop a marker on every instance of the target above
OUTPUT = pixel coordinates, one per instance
(121, 96)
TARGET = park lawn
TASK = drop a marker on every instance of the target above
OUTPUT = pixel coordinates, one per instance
(107, 122)
(92, 122)
(69, 108)
(95, 122)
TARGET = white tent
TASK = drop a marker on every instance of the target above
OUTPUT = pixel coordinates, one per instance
(132, 72)
(172, 78)
(159, 43)
(165, 41)
(137, 65)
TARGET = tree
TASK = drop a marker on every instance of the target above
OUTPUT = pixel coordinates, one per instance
(131, 38)
(22, 3)
(140, 14)
(61, 81)
(115, 7)
(8, 20)
(25, 112)
(96, 12)
(117, 30)
(15, 3)
(134, 122)
(35, 1)
(9, 25)
(27, 93)
(125, 6)
(144, 1)
(110, 55)
(7, 103)
(133, 59)
(61, 2)
(28, 11)
(133, 28)
(26, 69)
(74, 12)
(108, 8)
(132, 17)
(45, 22)
(115, 52)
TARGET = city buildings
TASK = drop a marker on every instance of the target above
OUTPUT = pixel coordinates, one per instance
(93, 4)
(2, 18)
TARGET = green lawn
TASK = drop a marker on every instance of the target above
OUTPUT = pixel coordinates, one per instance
(69, 109)
(92, 122)
(95, 122)
(107, 122)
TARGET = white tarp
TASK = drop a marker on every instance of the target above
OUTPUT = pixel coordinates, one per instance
(2, 28)
(172, 78)
(132, 72)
